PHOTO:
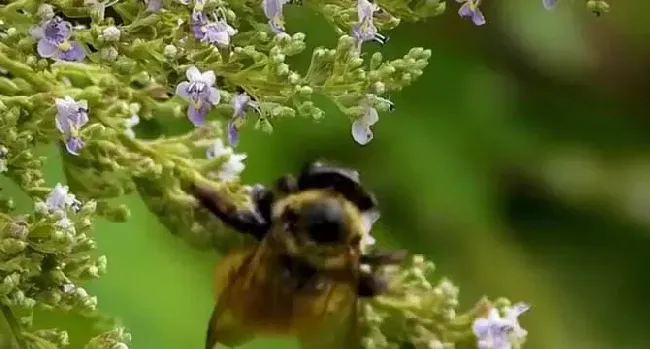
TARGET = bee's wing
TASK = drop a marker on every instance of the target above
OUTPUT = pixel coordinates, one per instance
(223, 327)
(340, 323)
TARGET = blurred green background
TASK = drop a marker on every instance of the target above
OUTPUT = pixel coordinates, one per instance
(519, 163)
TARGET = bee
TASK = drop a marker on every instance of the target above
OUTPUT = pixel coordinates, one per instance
(309, 266)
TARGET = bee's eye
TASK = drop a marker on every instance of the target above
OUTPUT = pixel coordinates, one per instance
(324, 221)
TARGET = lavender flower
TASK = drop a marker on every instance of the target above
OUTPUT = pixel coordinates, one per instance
(53, 41)
(273, 11)
(60, 199)
(239, 104)
(153, 5)
(364, 29)
(496, 332)
(233, 167)
(361, 127)
(199, 92)
(215, 32)
(549, 4)
(70, 117)
(469, 8)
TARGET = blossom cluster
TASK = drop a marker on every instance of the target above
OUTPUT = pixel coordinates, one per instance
(87, 77)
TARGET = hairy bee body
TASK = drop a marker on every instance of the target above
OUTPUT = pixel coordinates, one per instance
(303, 277)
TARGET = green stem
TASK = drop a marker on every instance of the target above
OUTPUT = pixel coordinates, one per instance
(14, 326)
(23, 71)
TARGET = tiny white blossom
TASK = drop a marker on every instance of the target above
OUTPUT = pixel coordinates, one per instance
(232, 168)
(129, 124)
(3, 154)
(111, 34)
(496, 332)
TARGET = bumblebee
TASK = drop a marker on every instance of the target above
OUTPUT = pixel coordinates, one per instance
(303, 276)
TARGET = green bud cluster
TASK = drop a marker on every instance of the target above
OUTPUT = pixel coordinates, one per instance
(135, 58)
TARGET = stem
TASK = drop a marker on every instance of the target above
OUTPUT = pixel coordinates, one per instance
(14, 326)
(23, 71)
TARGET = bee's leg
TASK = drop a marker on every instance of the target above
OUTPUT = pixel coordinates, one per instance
(370, 285)
(287, 184)
(244, 220)
(376, 258)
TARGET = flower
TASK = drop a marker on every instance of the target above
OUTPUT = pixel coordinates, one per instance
(129, 124)
(215, 32)
(3, 155)
(496, 332)
(549, 4)
(53, 41)
(232, 167)
(273, 11)
(470, 9)
(60, 198)
(364, 29)
(361, 127)
(199, 92)
(153, 5)
(217, 149)
(111, 33)
(70, 117)
(240, 102)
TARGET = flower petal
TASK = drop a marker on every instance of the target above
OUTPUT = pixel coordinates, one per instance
(371, 116)
(361, 132)
(193, 74)
(549, 4)
(45, 49)
(478, 18)
(74, 54)
(73, 145)
(465, 10)
(233, 133)
(182, 90)
(481, 327)
(197, 116)
(214, 96)
(208, 78)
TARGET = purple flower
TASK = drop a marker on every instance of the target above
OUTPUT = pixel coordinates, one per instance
(199, 92)
(153, 5)
(364, 29)
(53, 41)
(549, 4)
(273, 11)
(215, 32)
(239, 104)
(469, 8)
(496, 332)
(70, 117)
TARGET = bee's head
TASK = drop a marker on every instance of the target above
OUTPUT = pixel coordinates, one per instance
(321, 225)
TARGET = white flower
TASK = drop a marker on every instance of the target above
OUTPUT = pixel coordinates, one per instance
(217, 150)
(496, 332)
(233, 166)
(111, 34)
(129, 124)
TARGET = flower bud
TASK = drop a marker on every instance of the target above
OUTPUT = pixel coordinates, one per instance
(111, 34)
